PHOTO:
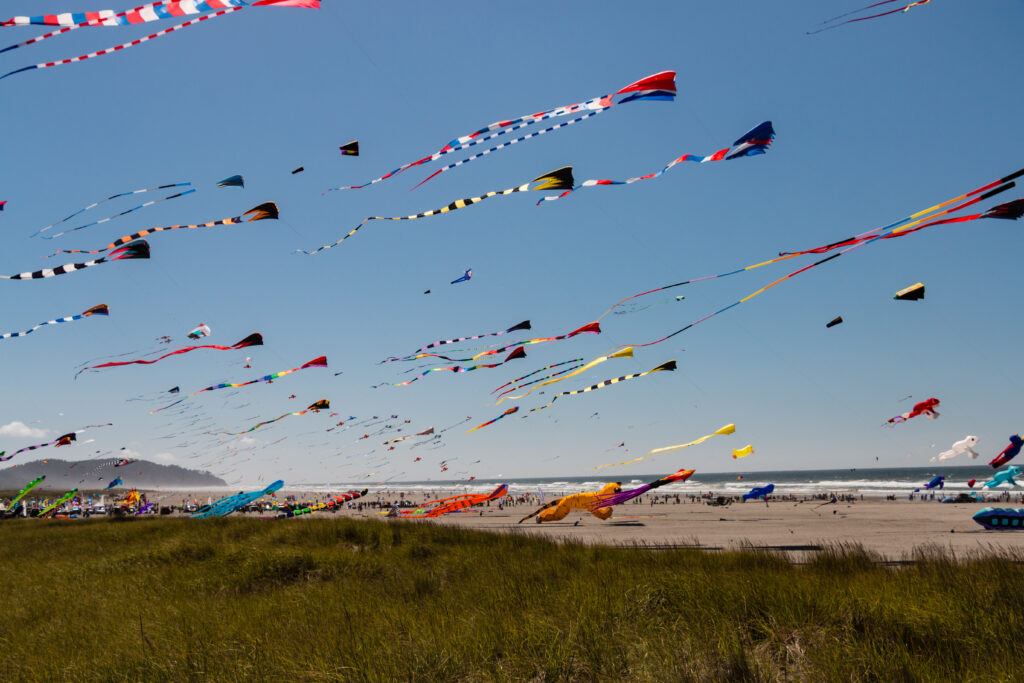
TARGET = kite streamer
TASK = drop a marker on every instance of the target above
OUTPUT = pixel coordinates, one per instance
(139, 249)
(624, 353)
(589, 328)
(531, 374)
(110, 198)
(659, 86)
(541, 379)
(254, 339)
(322, 404)
(525, 325)
(626, 496)
(637, 309)
(754, 142)
(100, 309)
(320, 362)
(518, 352)
(508, 412)
(143, 14)
(62, 440)
(727, 429)
(116, 215)
(905, 8)
(670, 365)
(24, 492)
(559, 179)
(267, 210)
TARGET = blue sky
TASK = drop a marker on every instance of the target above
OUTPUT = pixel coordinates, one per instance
(874, 121)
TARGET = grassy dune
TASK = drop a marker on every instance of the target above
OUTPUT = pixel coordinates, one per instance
(336, 599)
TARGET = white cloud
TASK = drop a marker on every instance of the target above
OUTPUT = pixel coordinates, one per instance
(129, 453)
(165, 457)
(21, 430)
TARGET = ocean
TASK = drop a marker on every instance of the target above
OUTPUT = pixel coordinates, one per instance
(874, 482)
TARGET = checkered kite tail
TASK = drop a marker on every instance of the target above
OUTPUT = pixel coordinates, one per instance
(670, 365)
(101, 309)
(137, 249)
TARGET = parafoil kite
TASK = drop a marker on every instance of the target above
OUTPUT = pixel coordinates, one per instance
(152, 12)
(926, 408)
(559, 179)
(508, 412)
(267, 210)
(1008, 453)
(659, 86)
(203, 330)
(322, 404)
(444, 506)
(624, 353)
(465, 277)
(1000, 519)
(320, 507)
(1004, 477)
(110, 198)
(753, 142)
(911, 293)
(965, 445)
(254, 339)
(742, 452)
(590, 501)
(669, 366)
(320, 362)
(114, 483)
(831, 22)
(225, 506)
(134, 250)
(350, 149)
(619, 498)
(518, 352)
(721, 431)
(835, 321)
(99, 309)
(761, 492)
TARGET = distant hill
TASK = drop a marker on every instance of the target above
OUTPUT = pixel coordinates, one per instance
(96, 474)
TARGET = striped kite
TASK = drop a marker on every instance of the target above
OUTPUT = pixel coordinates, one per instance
(559, 179)
(621, 497)
(508, 412)
(62, 440)
(320, 507)
(164, 9)
(110, 198)
(133, 250)
(100, 309)
(660, 86)
(267, 210)
(322, 404)
(624, 353)
(670, 365)
(518, 352)
(116, 215)
(589, 328)
(754, 142)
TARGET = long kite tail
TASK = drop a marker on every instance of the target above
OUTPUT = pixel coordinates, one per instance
(727, 429)
(100, 309)
(905, 8)
(117, 215)
(539, 379)
(266, 210)
(123, 46)
(559, 179)
(104, 201)
(531, 374)
(624, 353)
(518, 352)
(134, 250)
(753, 142)
(670, 365)
(525, 325)
(508, 412)
(254, 339)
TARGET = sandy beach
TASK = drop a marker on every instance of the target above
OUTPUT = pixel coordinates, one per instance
(892, 528)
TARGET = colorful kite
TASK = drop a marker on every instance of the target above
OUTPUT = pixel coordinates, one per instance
(624, 496)
(926, 408)
(254, 339)
(590, 501)
(660, 86)
(225, 506)
(965, 445)
(100, 309)
(350, 149)
(63, 440)
(761, 492)
(322, 404)
(905, 226)
(24, 492)
(1008, 453)
(722, 431)
(110, 198)
(267, 210)
(116, 215)
(444, 506)
(1004, 477)
(540, 379)
(525, 325)
(755, 141)
(508, 412)
(905, 8)
(134, 250)
(152, 12)
(624, 353)
(559, 179)
(320, 507)
(320, 362)
(518, 352)
(466, 276)
(589, 328)
(911, 293)
(114, 483)
(202, 331)
(742, 452)
(57, 503)
(232, 181)
(835, 321)
(670, 365)
(531, 374)
(1000, 519)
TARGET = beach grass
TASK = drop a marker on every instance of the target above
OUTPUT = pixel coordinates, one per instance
(341, 599)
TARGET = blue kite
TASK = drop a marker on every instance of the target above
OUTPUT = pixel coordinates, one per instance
(1004, 477)
(761, 492)
(466, 276)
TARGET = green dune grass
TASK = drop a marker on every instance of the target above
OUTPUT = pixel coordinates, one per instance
(339, 599)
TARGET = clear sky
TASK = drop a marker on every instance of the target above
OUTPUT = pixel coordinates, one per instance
(874, 121)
